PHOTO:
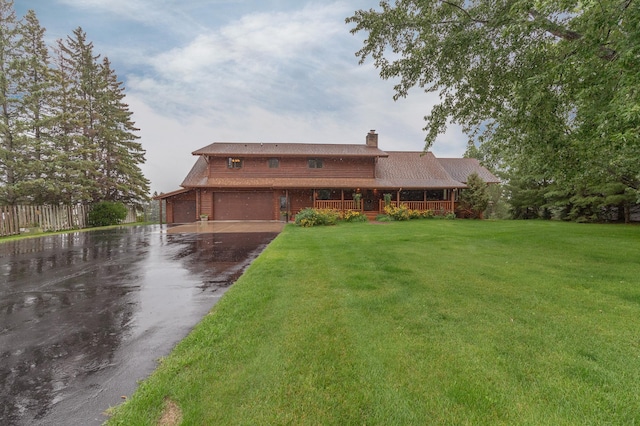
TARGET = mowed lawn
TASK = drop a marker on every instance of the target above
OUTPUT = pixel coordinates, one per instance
(412, 323)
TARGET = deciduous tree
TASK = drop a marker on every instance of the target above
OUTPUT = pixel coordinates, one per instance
(550, 84)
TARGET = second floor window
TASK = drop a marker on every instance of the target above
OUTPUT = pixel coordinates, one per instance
(315, 163)
(234, 163)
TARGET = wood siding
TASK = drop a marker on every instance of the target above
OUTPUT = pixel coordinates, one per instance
(290, 167)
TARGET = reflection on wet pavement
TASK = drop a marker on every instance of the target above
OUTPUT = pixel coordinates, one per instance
(84, 316)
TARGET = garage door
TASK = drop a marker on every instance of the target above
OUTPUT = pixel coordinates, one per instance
(243, 205)
(184, 211)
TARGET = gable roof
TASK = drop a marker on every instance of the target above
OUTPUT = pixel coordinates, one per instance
(289, 150)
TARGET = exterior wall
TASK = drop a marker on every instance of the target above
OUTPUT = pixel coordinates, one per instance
(300, 199)
(291, 167)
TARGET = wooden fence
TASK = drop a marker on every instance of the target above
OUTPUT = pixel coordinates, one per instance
(16, 220)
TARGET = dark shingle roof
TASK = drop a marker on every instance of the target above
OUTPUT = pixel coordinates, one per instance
(289, 149)
(461, 168)
(413, 170)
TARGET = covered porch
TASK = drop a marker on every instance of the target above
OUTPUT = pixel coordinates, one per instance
(440, 201)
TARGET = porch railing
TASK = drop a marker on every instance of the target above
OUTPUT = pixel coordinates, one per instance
(435, 206)
(337, 205)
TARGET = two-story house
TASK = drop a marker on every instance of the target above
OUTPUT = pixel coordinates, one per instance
(274, 181)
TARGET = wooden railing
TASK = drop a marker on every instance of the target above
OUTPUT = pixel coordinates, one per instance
(337, 205)
(436, 207)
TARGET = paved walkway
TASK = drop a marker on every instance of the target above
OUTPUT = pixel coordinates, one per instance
(226, 227)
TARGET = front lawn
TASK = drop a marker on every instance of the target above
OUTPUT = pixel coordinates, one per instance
(422, 322)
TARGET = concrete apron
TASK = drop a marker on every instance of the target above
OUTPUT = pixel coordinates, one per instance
(226, 227)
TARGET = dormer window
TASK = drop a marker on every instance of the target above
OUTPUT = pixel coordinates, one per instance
(315, 163)
(234, 163)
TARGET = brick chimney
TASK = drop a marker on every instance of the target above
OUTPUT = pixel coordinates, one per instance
(372, 139)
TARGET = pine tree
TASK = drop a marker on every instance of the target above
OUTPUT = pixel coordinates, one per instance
(34, 83)
(120, 153)
(10, 149)
(78, 80)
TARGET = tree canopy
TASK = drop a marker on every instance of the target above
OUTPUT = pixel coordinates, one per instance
(548, 90)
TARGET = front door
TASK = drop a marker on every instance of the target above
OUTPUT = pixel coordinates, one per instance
(369, 200)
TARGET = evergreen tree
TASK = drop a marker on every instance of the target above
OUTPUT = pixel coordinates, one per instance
(81, 70)
(10, 144)
(120, 153)
(34, 82)
(475, 198)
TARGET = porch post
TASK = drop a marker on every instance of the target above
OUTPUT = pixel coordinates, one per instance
(314, 198)
(453, 198)
(342, 199)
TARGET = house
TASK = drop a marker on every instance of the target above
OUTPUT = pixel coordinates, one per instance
(273, 181)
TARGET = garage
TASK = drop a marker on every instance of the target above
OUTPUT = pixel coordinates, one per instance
(243, 205)
(184, 211)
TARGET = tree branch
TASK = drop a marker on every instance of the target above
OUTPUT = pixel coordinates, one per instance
(553, 28)
(481, 21)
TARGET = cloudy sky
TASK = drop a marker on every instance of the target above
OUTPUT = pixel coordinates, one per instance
(203, 71)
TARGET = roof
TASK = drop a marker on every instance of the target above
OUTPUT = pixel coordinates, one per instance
(460, 169)
(413, 170)
(289, 150)
(171, 194)
(398, 170)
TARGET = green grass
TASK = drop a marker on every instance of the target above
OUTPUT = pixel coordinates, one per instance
(422, 322)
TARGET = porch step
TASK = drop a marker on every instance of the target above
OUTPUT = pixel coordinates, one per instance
(371, 215)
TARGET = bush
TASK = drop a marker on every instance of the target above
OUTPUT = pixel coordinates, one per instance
(107, 213)
(315, 217)
(397, 213)
(353, 216)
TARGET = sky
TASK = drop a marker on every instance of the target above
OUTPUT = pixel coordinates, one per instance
(202, 71)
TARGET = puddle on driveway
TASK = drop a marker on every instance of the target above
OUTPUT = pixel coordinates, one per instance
(85, 316)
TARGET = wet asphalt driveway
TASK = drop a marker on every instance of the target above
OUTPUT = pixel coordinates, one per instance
(85, 316)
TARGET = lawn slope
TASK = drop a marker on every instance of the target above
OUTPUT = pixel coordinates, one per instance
(425, 322)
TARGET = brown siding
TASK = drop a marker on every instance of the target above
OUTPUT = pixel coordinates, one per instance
(206, 203)
(295, 167)
(300, 200)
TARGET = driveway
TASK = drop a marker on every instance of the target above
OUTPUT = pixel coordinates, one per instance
(85, 316)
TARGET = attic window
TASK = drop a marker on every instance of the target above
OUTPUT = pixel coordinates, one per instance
(315, 163)
(234, 163)
(274, 163)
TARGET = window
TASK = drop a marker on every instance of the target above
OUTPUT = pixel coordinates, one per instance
(274, 163)
(315, 163)
(234, 163)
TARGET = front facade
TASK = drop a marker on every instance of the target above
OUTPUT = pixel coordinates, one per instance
(274, 181)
